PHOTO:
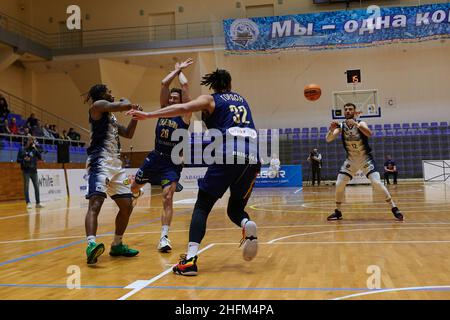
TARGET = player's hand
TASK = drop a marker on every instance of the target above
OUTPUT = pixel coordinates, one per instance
(136, 107)
(334, 125)
(138, 114)
(351, 122)
(184, 64)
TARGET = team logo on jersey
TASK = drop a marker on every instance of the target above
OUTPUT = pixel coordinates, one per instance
(244, 32)
(126, 182)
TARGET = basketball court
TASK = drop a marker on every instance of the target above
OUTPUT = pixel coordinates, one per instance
(301, 256)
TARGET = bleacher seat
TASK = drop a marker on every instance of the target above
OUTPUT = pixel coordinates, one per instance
(397, 126)
(305, 130)
(323, 129)
(415, 126)
(387, 127)
(288, 130)
(379, 133)
(296, 130)
(443, 124)
(305, 136)
(434, 125)
(314, 130)
(378, 127)
(389, 133)
(296, 137)
(370, 126)
(322, 135)
(424, 125)
(406, 126)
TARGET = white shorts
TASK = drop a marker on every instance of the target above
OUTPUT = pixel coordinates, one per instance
(107, 177)
(351, 167)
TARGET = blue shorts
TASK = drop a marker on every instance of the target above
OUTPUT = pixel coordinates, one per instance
(158, 169)
(240, 178)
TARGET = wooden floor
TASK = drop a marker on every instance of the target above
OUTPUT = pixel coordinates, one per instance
(301, 255)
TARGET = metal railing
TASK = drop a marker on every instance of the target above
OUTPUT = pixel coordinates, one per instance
(27, 31)
(23, 108)
(10, 145)
(113, 36)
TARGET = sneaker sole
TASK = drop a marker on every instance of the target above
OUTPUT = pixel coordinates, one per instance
(250, 246)
(334, 219)
(123, 255)
(165, 249)
(188, 273)
(97, 252)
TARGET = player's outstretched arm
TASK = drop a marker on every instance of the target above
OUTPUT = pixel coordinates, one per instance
(362, 126)
(202, 103)
(165, 83)
(333, 132)
(102, 106)
(128, 132)
(186, 96)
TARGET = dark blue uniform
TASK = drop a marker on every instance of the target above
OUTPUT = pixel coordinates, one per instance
(233, 117)
(158, 167)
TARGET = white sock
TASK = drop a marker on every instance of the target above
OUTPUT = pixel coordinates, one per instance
(91, 239)
(117, 240)
(192, 249)
(165, 231)
(391, 202)
(243, 222)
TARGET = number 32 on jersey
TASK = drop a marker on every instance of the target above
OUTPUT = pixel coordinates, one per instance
(240, 114)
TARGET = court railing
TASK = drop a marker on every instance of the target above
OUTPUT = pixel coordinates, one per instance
(10, 145)
(23, 108)
(83, 38)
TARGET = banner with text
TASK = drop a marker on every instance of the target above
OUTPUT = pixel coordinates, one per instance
(287, 176)
(52, 185)
(338, 29)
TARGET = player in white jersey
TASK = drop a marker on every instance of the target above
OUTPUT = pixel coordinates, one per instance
(105, 173)
(354, 136)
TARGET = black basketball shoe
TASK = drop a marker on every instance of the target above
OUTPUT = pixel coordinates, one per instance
(336, 215)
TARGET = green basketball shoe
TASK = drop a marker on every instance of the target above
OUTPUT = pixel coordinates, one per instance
(122, 250)
(93, 251)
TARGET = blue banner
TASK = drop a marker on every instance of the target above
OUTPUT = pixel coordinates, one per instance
(287, 176)
(338, 29)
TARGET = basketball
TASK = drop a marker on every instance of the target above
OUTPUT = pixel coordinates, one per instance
(312, 92)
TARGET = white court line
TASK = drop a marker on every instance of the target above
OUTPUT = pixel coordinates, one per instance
(349, 230)
(235, 228)
(298, 190)
(141, 284)
(377, 291)
(341, 242)
(45, 211)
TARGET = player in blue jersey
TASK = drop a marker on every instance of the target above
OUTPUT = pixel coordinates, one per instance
(159, 164)
(105, 173)
(354, 135)
(229, 113)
